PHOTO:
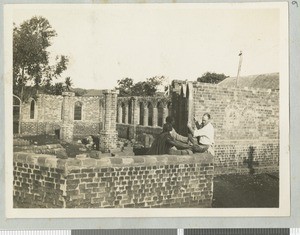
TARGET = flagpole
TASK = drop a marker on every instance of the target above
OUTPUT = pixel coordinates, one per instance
(239, 68)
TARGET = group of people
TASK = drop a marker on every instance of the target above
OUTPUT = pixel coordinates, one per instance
(91, 142)
(199, 140)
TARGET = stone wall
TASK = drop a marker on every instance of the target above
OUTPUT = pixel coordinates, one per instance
(48, 115)
(140, 181)
(146, 111)
(136, 132)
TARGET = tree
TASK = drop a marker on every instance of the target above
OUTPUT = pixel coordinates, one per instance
(212, 78)
(57, 88)
(145, 88)
(79, 91)
(31, 66)
(125, 86)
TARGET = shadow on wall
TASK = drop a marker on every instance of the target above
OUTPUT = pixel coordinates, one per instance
(250, 161)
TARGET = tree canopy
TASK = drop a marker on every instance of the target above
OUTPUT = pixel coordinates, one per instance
(31, 67)
(213, 78)
(127, 87)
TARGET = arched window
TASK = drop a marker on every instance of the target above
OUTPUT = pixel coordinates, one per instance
(141, 113)
(160, 113)
(130, 112)
(123, 112)
(16, 114)
(78, 111)
(32, 109)
(150, 114)
(102, 113)
(62, 111)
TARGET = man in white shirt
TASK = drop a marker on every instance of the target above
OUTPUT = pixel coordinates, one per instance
(205, 134)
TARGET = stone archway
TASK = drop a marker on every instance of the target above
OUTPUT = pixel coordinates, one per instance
(16, 115)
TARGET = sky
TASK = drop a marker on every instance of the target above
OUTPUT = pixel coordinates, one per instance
(106, 43)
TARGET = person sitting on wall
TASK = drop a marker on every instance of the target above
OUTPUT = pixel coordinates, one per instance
(164, 142)
(202, 137)
(173, 132)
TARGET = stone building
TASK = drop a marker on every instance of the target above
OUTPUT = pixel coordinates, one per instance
(68, 116)
(142, 115)
(246, 121)
(245, 118)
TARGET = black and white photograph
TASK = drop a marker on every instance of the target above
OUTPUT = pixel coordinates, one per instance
(147, 110)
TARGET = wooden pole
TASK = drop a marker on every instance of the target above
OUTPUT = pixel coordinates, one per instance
(239, 68)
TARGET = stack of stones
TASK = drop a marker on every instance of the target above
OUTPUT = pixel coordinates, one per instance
(20, 142)
(50, 149)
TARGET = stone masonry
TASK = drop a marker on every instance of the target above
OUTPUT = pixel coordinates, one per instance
(109, 135)
(67, 128)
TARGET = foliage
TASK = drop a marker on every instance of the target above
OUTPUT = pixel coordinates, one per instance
(31, 66)
(212, 78)
(79, 91)
(58, 87)
(125, 86)
(145, 88)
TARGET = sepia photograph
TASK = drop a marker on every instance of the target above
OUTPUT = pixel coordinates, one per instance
(147, 110)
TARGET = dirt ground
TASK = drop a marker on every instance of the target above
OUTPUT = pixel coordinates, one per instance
(244, 191)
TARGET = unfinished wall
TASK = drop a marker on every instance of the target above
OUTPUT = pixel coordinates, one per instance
(48, 115)
(136, 132)
(239, 114)
(140, 181)
(246, 123)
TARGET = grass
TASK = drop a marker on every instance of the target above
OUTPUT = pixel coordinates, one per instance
(246, 191)
(42, 139)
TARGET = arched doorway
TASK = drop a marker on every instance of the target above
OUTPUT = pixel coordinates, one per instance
(16, 114)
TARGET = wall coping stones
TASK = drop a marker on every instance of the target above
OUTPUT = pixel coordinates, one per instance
(259, 141)
(249, 89)
(70, 164)
(139, 125)
(110, 91)
(34, 147)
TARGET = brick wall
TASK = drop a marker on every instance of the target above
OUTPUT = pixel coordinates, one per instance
(246, 156)
(38, 181)
(239, 114)
(246, 123)
(148, 181)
